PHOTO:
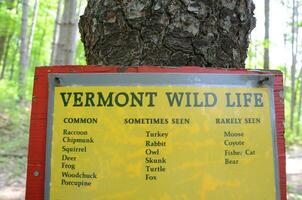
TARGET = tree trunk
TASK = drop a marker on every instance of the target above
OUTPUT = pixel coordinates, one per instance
(17, 6)
(285, 63)
(12, 68)
(167, 32)
(299, 105)
(23, 52)
(6, 32)
(255, 58)
(266, 35)
(55, 33)
(5, 57)
(294, 44)
(41, 45)
(67, 37)
(2, 46)
(32, 30)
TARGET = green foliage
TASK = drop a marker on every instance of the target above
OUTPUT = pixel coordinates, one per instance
(255, 61)
(80, 54)
(14, 118)
(254, 52)
(14, 124)
(291, 136)
(9, 107)
(9, 20)
(8, 95)
(266, 43)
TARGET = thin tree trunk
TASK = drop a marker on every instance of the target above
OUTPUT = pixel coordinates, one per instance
(32, 30)
(250, 57)
(23, 52)
(12, 69)
(296, 54)
(266, 36)
(2, 46)
(70, 47)
(299, 105)
(285, 63)
(41, 45)
(55, 33)
(7, 32)
(5, 57)
(17, 6)
(255, 58)
(300, 74)
(293, 66)
(285, 78)
(67, 37)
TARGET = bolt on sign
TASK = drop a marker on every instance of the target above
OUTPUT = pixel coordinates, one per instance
(156, 133)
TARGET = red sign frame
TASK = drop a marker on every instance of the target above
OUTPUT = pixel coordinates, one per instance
(38, 123)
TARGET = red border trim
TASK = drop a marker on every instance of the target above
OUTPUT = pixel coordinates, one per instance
(38, 122)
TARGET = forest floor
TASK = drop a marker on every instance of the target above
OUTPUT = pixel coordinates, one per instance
(12, 184)
(294, 172)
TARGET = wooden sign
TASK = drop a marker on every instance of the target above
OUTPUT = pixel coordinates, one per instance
(156, 133)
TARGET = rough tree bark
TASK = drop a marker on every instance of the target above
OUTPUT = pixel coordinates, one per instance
(67, 34)
(167, 32)
(266, 34)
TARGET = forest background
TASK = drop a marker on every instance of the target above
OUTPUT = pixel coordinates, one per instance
(42, 33)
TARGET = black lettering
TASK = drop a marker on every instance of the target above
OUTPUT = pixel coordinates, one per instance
(176, 98)
(258, 100)
(151, 98)
(89, 99)
(118, 99)
(65, 101)
(207, 99)
(138, 100)
(247, 99)
(105, 102)
(229, 103)
(78, 99)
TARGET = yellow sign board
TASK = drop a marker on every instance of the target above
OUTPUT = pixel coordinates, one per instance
(162, 142)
